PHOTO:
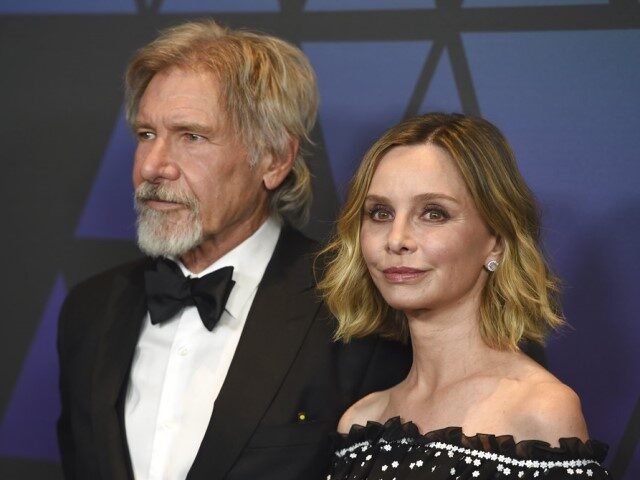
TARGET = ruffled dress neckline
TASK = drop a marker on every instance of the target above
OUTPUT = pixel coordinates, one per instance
(395, 430)
(398, 451)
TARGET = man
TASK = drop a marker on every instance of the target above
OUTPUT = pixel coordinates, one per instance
(212, 357)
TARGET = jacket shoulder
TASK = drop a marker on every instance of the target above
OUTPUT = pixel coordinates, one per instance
(296, 242)
(99, 284)
(86, 300)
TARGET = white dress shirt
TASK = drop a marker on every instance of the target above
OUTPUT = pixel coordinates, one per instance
(179, 367)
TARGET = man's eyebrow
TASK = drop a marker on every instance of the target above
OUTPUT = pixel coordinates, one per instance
(176, 126)
(190, 127)
(138, 125)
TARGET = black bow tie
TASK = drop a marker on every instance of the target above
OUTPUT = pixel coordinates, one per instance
(168, 291)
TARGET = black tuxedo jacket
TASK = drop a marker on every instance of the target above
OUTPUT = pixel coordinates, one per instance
(285, 365)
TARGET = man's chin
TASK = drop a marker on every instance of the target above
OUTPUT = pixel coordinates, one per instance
(168, 239)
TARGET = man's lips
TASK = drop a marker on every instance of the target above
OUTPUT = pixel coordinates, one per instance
(402, 274)
(162, 204)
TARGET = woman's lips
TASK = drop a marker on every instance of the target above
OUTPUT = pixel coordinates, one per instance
(402, 274)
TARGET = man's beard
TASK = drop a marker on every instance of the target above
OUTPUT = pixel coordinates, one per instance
(166, 233)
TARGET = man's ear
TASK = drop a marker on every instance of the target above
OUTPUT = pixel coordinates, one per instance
(278, 168)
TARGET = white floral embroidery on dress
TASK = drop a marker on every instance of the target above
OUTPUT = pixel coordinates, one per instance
(572, 467)
(341, 453)
(511, 461)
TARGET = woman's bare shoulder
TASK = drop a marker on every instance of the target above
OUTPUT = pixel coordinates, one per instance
(548, 410)
(367, 408)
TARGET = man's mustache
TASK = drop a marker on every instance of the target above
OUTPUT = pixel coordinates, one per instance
(162, 193)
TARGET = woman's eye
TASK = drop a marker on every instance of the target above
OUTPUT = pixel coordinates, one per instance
(379, 214)
(435, 214)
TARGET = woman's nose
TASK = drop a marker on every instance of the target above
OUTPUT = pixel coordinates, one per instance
(401, 238)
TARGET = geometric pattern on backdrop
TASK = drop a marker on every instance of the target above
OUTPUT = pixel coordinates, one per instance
(527, 3)
(198, 6)
(364, 88)
(337, 5)
(569, 107)
(28, 427)
(536, 86)
(44, 7)
(108, 212)
(524, 3)
(442, 94)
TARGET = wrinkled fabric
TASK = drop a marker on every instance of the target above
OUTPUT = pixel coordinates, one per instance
(398, 451)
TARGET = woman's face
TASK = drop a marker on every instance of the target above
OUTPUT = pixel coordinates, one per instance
(422, 237)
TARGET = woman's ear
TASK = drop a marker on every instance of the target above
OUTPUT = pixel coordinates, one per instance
(497, 249)
(279, 167)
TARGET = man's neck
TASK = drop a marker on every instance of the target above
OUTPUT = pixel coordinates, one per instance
(215, 247)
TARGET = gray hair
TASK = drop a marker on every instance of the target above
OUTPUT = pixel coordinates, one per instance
(269, 92)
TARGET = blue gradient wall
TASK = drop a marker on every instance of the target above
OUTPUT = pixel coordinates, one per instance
(560, 78)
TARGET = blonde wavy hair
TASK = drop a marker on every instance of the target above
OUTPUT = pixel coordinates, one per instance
(269, 93)
(520, 299)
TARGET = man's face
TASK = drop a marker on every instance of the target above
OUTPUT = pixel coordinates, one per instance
(194, 183)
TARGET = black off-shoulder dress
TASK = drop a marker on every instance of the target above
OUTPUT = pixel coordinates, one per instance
(397, 451)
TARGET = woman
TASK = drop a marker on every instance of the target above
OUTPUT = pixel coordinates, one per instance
(438, 242)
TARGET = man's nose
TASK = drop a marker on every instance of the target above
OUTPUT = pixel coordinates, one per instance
(156, 162)
(401, 236)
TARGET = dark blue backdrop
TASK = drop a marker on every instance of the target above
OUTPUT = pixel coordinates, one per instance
(560, 78)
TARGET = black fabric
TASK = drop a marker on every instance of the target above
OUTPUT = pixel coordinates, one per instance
(169, 291)
(285, 364)
(398, 451)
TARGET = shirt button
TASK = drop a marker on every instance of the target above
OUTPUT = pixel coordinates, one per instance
(168, 425)
(182, 351)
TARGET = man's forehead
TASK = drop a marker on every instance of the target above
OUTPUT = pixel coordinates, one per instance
(176, 83)
(180, 94)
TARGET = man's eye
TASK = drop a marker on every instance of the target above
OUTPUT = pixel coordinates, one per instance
(194, 137)
(145, 135)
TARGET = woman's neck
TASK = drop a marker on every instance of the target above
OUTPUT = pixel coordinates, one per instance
(447, 347)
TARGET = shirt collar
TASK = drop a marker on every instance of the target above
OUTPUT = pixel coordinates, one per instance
(249, 261)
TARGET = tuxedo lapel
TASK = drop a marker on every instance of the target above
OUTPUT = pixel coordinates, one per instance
(122, 323)
(279, 319)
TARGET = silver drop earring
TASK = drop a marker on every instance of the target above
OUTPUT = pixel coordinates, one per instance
(491, 265)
